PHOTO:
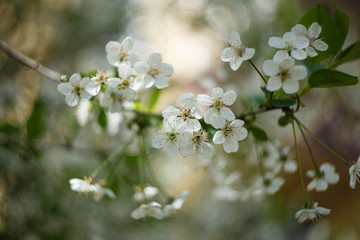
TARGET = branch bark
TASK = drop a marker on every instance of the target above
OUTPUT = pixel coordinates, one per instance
(29, 62)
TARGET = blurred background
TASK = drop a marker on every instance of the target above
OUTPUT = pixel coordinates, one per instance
(44, 143)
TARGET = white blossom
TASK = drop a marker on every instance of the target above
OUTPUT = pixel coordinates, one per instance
(173, 138)
(155, 71)
(74, 89)
(111, 99)
(187, 115)
(218, 103)
(354, 172)
(89, 185)
(145, 194)
(283, 74)
(197, 142)
(121, 53)
(290, 43)
(311, 213)
(230, 134)
(152, 209)
(176, 204)
(321, 179)
(124, 83)
(235, 52)
(312, 34)
(268, 184)
(94, 86)
(225, 186)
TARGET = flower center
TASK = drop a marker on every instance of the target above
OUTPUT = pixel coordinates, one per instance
(172, 136)
(153, 72)
(122, 56)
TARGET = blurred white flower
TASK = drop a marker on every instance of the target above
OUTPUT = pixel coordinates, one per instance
(142, 195)
(94, 85)
(176, 204)
(155, 71)
(173, 138)
(89, 185)
(120, 53)
(74, 89)
(198, 142)
(225, 186)
(152, 209)
(311, 213)
(283, 74)
(312, 34)
(218, 103)
(124, 83)
(230, 135)
(235, 52)
(187, 115)
(323, 178)
(268, 184)
(290, 43)
(354, 172)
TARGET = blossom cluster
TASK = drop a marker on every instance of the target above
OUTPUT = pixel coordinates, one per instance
(133, 73)
(183, 132)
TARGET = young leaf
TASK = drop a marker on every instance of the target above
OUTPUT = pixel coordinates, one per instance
(326, 78)
(330, 30)
(342, 23)
(259, 133)
(349, 54)
(283, 102)
(35, 125)
(154, 97)
(102, 119)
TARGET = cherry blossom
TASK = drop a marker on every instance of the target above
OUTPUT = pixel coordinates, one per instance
(230, 134)
(311, 213)
(74, 89)
(290, 43)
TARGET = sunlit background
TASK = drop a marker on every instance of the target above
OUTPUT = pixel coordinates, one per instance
(70, 36)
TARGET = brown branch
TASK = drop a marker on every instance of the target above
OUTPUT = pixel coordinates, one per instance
(29, 62)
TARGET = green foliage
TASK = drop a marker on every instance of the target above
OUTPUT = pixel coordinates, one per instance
(325, 78)
(154, 97)
(35, 125)
(349, 54)
(102, 119)
(258, 133)
(283, 102)
(333, 32)
(283, 121)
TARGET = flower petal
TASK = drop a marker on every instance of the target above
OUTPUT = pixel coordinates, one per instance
(299, 29)
(301, 42)
(314, 30)
(227, 54)
(159, 141)
(72, 99)
(166, 69)
(226, 113)
(217, 121)
(310, 51)
(287, 63)
(219, 137)
(127, 44)
(217, 92)
(235, 39)
(75, 79)
(113, 82)
(124, 71)
(142, 67)
(298, 73)
(154, 59)
(148, 81)
(208, 115)
(229, 97)
(270, 67)
(280, 55)
(65, 88)
(204, 99)
(161, 81)
(319, 45)
(112, 46)
(298, 54)
(249, 53)
(276, 42)
(290, 86)
(172, 149)
(273, 84)
(235, 62)
(93, 87)
(230, 146)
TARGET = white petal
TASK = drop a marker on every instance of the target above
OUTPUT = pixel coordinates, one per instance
(85, 81)
(235, 62)
(235, 39)
(75, 79)
(187, 150)
(159, 141)
(130, 95)
(65, 88)
(290, 86)
(273, 84)
(298, 72)
(229, 97)
(127, 44)
(270, 68)
(72, 99)
(170, 111)
(166, 69)
(230, 146)
(85, 95)
(113, 82)
(150, 191)
(206, 150)
(319, 45)
(217, 121)
(289, 38)
(310, 51)
(204, 99)
(227, 54)
(290, 166)
(239, 133)
(148, 81)
(172, 149)
(110, 193)
(124, 71)
(248, 54)
(301, 42)
(93, 87)
(314, 30)
(208, 115)
(161, 81)
(113, 58)
(188, 100)
(226, 113)
(112, 46)
(142, 68)
(311, 186)
(299, 29)
(280, 55)
(140, 212)
(154, 59)
(298, 54)
(219, 137)
(217, 92)
(287, 63)
(276, 42)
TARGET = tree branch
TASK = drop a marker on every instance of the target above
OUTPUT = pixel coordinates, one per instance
(29, 62)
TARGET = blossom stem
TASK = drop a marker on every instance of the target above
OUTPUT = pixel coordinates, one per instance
(242, 116)
(298, 163)
(29, 62)
(257, 70)
(117, 153)
(140, 162)
(322, 143)
(308, 147)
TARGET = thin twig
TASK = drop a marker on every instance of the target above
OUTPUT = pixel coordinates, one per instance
(29, 62)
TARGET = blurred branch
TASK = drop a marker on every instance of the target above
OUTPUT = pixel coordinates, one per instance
(29, 62)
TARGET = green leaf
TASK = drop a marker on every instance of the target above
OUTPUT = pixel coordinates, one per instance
(259, 133)
(332, 31)
(35, 125)
(342, 22)
(283, 121)
(326, 78)
(102, 119)
(283, 102)
(154, 97)
(349, 54)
